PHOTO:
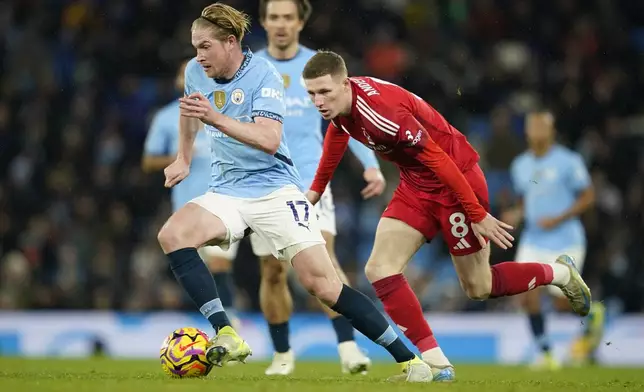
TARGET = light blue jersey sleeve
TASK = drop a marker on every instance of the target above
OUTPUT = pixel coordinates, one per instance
(188, 83)
(516, 172)
(268, 98)
(158, 139)
(366, 157)
(578, 176)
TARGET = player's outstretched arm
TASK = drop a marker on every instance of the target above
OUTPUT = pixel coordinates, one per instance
(156, 154)
(376, 183)
(180, 167)
(335, 144)
(426, 151)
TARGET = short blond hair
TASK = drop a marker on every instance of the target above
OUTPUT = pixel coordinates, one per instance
(224, 20)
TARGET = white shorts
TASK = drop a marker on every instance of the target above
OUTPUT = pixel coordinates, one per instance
(208, 252)
(530, 253)
(324, 210)
(282, 219)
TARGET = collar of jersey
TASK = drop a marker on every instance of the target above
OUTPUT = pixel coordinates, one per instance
(248, 55)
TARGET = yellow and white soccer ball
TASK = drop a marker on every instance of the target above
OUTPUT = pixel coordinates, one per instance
(183, 354)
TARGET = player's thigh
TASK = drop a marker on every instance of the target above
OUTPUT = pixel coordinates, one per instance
(210, 219)
(272, 270)
(315, 272)
(404, 227)
(284, 220)
(192, 225)
(471, 260)
(329, 238)
(474, 273)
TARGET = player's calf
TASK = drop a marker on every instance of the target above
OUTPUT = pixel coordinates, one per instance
(277, 305)
(315, 270)
(186, 229)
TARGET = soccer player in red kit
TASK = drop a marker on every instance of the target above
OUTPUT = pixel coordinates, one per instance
(442, 189)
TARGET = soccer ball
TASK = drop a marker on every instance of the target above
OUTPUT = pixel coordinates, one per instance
(183, 354)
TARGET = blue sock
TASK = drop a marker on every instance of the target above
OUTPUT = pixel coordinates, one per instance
(195, 278)
(538, 328)
(279, 336)
(365, 317)
(224, 283)
(343, 329)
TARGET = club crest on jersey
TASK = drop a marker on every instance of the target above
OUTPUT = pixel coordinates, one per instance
(220, 98)
(287, 80)
(237, 96)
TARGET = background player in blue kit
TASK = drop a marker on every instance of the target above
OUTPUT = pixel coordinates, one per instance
(555, 189)
(161, 145)
(283, 21)
(254, 187)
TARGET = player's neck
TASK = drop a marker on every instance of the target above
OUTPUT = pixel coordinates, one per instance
(235, 63)
(348, 105)
(541, 149)
(286, 53)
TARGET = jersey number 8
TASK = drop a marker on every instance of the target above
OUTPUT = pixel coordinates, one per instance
(459, 227)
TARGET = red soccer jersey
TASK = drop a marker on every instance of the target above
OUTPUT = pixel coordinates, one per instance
(402, 128)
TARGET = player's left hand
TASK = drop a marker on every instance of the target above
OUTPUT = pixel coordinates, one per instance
(313, 197)
(494, 230)
(196, 105)
(549, 223)
(375, 183)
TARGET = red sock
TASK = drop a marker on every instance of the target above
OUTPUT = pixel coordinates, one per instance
(404, 309)
(512, 278)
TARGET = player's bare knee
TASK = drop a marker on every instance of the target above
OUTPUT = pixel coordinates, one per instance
(273, 271)
(324, 289)
(476, 289)
(171, 237)
(376, 270)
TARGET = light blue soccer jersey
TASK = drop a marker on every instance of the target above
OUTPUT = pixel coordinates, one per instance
(549, 186)
(256, 90)
(163, 140)
(303, 123)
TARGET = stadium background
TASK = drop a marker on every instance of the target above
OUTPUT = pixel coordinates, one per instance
(80, 80)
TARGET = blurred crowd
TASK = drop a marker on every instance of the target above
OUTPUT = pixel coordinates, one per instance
(80, 80)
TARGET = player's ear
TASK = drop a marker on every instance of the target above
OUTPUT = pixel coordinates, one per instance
(300, 25)
(231, 40)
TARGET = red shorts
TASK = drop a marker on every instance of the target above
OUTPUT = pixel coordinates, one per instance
(441, 213)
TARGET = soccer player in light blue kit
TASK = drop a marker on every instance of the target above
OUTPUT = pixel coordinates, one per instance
(254, 187)
(161, 144)
(283, 20)
(555, 189)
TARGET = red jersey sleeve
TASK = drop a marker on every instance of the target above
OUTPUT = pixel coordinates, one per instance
(417, 142)
(335, 144)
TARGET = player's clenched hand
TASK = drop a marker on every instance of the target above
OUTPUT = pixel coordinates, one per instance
(313, 197)
(494, 230)
(176, 172)
(375, 183)
(512, 216)
(196, 105)
(549, 223)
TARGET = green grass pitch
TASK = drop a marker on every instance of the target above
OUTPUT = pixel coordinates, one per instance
(103, 375)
